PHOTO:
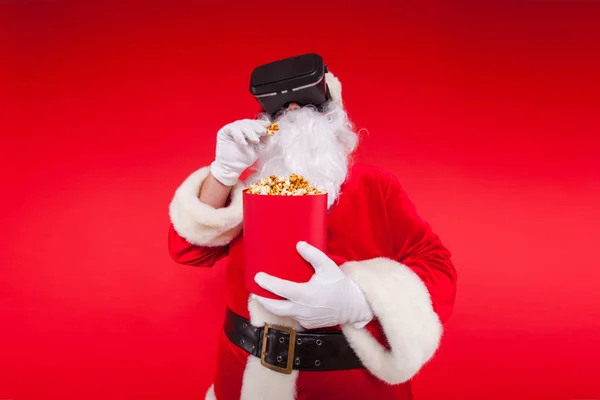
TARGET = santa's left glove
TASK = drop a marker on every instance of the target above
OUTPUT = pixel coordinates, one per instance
(330, 298)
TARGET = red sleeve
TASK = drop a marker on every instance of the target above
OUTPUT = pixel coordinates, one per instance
(183, 252)
(411, 292)
(200, 235)
(418, 247)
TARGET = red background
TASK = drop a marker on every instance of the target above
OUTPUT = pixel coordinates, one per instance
(487, 112)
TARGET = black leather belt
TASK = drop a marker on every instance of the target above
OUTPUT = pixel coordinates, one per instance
(283, 349)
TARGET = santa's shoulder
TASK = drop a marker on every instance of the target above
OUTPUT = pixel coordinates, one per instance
(367, 175)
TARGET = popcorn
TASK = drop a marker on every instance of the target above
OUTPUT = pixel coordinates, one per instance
(295, 185)
(271, 129)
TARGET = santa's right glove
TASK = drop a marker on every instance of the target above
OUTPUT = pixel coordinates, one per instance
(330, 298)
(239, 145)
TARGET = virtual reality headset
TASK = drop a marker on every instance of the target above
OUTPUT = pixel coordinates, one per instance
(299, 79)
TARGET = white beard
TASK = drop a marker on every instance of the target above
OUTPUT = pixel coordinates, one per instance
(312, 144)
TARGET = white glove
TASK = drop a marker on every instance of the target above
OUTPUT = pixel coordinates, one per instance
(330, 298)
(239, 145)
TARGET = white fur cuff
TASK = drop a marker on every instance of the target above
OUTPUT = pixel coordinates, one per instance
(402, 304)
(199, 223)
(210, 393)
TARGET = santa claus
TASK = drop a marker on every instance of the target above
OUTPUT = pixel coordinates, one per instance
(373, 313)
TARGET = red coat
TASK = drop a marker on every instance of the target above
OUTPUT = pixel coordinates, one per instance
(379, 240)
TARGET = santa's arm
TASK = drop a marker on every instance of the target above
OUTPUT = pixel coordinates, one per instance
(411, 294)
(200, 234)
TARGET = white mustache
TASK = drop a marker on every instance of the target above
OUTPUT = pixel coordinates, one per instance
(312, 144)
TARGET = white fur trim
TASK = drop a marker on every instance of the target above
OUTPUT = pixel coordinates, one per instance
(199, 223)
(335, 88)
(401, 302)
(210, 394)
(260, 383)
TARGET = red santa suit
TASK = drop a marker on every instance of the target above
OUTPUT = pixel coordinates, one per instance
(378, 239)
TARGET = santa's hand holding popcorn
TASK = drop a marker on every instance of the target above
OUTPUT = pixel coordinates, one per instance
(328, 299)
(371, 313)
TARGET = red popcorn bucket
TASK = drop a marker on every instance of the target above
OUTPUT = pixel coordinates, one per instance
(273, 225)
